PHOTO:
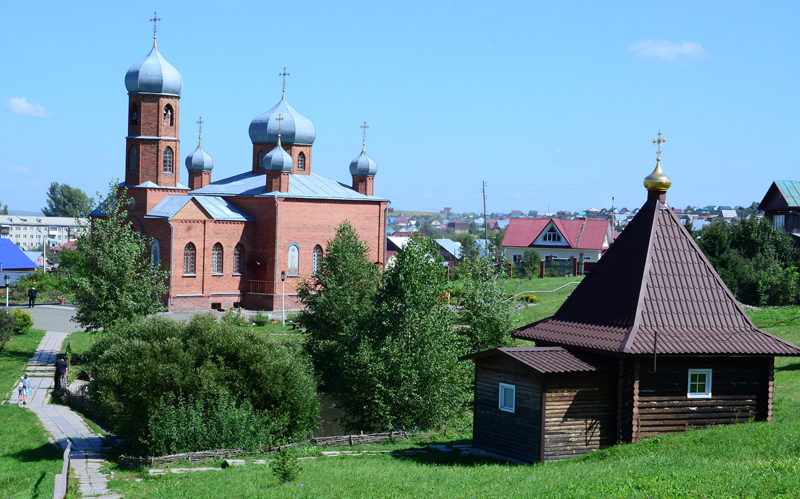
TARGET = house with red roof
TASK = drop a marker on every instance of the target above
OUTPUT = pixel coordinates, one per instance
(650, 342)
(558, 240)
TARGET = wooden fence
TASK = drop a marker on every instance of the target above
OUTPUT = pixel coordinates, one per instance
(62, 479)
(370, 438)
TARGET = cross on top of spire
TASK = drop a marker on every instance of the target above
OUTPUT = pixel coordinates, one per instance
(659, 141)
(200, 127)
(155, 20)
(364, 128)
(284, 75)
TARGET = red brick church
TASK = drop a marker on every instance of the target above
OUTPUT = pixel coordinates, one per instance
(228, 242)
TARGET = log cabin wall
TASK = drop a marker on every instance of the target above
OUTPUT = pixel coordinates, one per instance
(516, 435)
(580, 413)
(740, 391)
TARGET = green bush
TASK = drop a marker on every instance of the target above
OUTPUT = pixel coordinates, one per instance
(260, 319)
(6, 328)
(235, 318)
(528, 298)
(170, 387)
(23, 321)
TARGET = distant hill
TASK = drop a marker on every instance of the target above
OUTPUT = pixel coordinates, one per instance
(23, 213)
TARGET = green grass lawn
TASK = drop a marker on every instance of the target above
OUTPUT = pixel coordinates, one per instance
(548, 301)
(14, 357)
(746, 460)
(28, 461)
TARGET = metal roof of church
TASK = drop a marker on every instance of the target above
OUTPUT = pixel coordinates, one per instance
(310, 186)
(154, 75)
(218, 208)
(655, 290)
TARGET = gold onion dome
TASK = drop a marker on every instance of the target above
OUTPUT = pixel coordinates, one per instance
(657, 181)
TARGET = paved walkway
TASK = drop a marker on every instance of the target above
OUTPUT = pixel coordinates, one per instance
(63, 424)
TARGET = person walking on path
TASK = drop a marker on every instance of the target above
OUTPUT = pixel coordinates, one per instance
(62, 370)
(32, 297)
(27, 389)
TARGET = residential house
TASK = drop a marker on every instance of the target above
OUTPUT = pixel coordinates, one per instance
(632, 353)
(450, 250)
(781, 204)
(558, 239)
(727, 215)
(456, 226)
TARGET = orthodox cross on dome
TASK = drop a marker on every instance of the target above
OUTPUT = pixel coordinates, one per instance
(364, 128)
(155, 20)
(200, 128)
(659, 141)
(284, 75)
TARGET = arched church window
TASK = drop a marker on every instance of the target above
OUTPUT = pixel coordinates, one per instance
(301, 161)
(167, 163)
(134, 114)
(294, 259)
(216, 259)
(189, 254)
(168, 115)
(261, 159)
(133, 159)
(316, 259)
(155, 253)
(238, 259)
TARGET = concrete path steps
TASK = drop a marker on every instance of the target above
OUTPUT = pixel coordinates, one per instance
(62, 423)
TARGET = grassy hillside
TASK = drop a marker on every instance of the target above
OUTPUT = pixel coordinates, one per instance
(746, 460)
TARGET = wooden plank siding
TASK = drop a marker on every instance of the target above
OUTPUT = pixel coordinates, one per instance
(580, 413)
(515, 435)
(740, 389)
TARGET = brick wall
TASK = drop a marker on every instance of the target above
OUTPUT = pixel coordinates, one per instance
(293, 151)
(150, 151)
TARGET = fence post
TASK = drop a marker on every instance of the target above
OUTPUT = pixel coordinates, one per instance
(511, 270)
(574, 266)
(541, 269)
(580, 264)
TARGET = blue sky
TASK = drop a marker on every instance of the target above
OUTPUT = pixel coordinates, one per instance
(554, 104)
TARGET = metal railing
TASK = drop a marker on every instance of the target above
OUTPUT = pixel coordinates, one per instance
(262, 287)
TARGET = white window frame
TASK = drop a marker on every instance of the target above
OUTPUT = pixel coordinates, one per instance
(698, 395)
(502, 402)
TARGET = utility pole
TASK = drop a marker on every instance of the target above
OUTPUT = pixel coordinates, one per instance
(485, 221)
(613, 219)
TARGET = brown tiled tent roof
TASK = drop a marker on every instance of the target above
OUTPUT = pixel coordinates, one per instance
(654, 289)
(549, 359)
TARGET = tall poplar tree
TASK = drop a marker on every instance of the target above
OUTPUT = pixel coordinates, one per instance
(116, 281)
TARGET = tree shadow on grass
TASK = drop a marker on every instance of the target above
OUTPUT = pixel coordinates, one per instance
(6, 356)
(790, 367)
(454, 457)
(45, 452)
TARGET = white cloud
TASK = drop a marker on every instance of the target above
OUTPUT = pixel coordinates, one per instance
(20, 105)
(18, 169)
(667, 51)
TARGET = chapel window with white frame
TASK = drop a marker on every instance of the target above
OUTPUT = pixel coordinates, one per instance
(699, 384)
(508, 395)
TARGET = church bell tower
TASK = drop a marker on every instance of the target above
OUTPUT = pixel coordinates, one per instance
(152, 145)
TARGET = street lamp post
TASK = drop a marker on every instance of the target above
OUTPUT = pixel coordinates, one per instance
(7, 280)
(283, 297)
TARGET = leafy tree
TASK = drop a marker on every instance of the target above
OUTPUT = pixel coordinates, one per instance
(339, 302)
(169, 386)
(405, 371)
(690, 227)
(116, 280)
(485, 309)
(3, 209)
(469, 249)
(66, 201)
(757, 262)
(531, 263)
(473, 228)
